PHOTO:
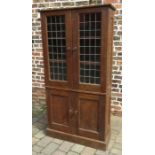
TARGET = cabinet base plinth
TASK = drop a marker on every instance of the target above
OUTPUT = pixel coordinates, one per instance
(78, 139)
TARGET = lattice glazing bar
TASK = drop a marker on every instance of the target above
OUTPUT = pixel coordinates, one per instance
(57, 47)
(90, 26)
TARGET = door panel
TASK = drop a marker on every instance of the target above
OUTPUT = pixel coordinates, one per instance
(89, 115)
(88, 119)
(57, 38)
(60, 110)
(58, 106)
(88, 48)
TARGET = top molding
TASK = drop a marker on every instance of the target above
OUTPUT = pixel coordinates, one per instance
(81, 7)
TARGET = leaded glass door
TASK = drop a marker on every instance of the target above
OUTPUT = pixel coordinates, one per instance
(88, 50)
(57, 41)
(58, 48)
(88, 54)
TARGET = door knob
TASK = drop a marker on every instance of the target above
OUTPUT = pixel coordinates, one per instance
(71, 112)
(68, 48)
(75, 48)
(76, 112)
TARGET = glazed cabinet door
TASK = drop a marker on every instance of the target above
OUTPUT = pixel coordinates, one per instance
(89, 64)
(57, 48)
(89, 49)
(57, 44)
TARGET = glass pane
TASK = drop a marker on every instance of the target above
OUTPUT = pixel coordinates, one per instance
(57, 47)
(90, 46)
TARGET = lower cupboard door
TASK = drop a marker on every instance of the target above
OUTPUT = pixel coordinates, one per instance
(91, 116)
(58, 110)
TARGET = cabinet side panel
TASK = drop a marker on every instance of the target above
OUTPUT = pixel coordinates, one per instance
(109, 68)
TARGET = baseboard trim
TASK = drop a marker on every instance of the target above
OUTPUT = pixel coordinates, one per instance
(78, 139)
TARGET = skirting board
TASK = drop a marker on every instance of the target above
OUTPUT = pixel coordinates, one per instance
(79, 139)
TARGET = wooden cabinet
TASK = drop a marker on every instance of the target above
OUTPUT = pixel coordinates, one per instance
(77, 44)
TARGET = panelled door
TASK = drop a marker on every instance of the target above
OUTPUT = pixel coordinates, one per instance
(57, 41)
(88, 53)
(74, 61)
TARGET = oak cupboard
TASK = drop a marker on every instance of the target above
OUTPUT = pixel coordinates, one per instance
(77, 45)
